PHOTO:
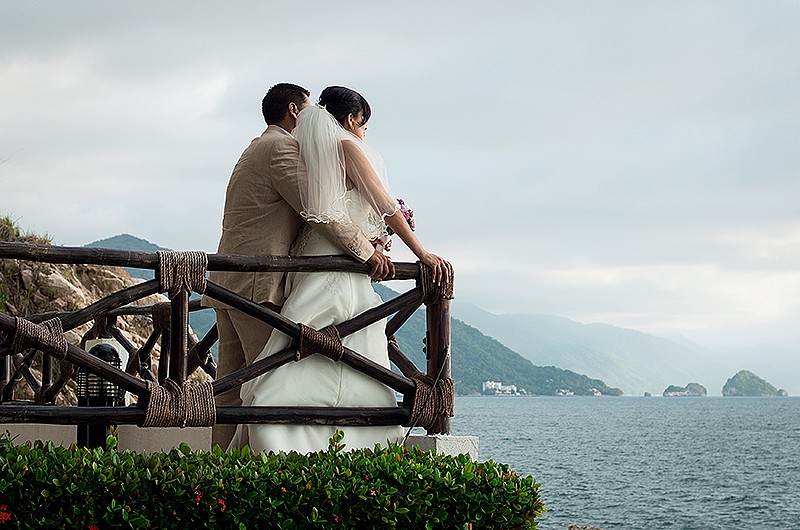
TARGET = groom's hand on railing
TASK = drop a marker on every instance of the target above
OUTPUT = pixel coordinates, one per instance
(382, 266)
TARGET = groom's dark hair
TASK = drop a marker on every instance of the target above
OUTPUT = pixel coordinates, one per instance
(275, 104)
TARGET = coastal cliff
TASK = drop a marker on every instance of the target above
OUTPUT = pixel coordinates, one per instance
(28, 288)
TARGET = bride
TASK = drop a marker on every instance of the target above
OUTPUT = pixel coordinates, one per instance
(346, 183)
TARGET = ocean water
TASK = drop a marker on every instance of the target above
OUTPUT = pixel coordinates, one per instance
(648, 463)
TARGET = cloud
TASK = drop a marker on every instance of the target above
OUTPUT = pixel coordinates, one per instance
(630, 162)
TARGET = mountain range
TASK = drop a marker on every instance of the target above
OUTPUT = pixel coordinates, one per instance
(525, 349)
(476, 357)
(634, 361)
(629, 359)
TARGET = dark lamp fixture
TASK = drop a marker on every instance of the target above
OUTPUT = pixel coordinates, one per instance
(93, 386)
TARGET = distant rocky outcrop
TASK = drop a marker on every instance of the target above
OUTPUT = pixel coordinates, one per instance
(747, 384)
(690, 390)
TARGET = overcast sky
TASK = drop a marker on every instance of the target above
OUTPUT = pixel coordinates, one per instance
(628, 162)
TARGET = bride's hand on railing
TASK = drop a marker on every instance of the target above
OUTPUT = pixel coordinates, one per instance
(441, 267)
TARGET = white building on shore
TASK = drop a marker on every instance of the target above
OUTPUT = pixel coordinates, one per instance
(498, 388)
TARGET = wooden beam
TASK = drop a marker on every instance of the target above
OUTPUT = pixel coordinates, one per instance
(134, 415)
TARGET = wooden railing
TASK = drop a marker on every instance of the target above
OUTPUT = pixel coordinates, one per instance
(180, 355)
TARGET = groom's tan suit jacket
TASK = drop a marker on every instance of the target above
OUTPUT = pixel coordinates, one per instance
(261, 217)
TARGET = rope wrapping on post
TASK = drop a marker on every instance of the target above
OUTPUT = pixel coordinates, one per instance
(325, 341)
(431, 402)
(47, 336)
(432, 292)
(174, 405)
(182, 270)
(162, 316)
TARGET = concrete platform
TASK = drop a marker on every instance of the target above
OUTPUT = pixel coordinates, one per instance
(445, 444)
(155, 439)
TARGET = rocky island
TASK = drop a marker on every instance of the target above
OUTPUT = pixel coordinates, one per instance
(690, 390)
(747, 384)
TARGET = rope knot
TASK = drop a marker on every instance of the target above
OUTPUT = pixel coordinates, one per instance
(174, 405)
(432, 292)
(431, 402)
(325, 341)
(182, 270)
(47, 336)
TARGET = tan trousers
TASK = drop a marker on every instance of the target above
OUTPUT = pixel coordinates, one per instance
(241, 339)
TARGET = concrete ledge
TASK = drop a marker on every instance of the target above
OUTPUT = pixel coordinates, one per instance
(158, 439)
(129, 437)
(21, 433)
(445, 444)
(162, 439)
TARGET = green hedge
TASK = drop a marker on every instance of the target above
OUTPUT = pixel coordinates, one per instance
(44, 486)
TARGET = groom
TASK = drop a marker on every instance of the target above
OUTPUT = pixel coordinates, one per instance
(261, 219)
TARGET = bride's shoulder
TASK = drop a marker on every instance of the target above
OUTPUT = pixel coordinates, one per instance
(351, 148)
(351, 141)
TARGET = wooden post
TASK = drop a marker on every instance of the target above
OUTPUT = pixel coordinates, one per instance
(163, 361)
(47, 378)
(5, 370)
(179, 338)
(437, 347)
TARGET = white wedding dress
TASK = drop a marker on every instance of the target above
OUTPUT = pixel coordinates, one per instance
(318, 299)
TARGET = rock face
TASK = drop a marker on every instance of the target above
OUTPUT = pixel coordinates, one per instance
(747, 384)
(30, 288)
(690, 390)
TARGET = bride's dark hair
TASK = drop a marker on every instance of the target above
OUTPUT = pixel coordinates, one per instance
(342, 101)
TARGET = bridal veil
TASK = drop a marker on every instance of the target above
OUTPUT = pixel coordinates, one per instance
(334, 160)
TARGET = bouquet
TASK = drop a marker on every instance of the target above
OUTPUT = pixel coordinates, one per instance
(383, 243)
(408, 213)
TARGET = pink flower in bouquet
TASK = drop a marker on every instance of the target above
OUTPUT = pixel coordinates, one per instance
(408, 213)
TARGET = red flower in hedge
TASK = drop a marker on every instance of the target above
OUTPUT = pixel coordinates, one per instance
(221, 504)
(283, 490)
(372, 493)
(366, 478)
(94, 527)
(336, 519)
(5, 515)
(197, 495)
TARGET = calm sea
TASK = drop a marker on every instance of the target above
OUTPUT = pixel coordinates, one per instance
(648, 463)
